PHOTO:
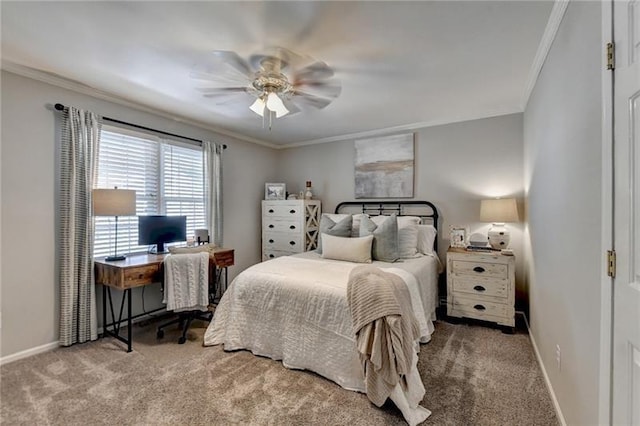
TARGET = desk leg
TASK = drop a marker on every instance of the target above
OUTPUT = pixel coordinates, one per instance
(116, 324)
(127, 294)
(104, 311)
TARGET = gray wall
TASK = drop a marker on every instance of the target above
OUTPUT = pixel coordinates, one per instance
(456, 165)
(28, 213)
(563, 179)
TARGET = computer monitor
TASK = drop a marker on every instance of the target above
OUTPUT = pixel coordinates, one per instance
(160, 230)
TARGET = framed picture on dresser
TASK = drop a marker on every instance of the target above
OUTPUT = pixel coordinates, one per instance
(275, 191)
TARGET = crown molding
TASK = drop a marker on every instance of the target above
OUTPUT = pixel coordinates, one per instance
(549, 35)
(404, 127)
(58, 81)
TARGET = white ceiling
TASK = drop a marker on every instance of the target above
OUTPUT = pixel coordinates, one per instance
(401, 64)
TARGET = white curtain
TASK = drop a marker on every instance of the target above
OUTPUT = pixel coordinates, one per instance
(213, 183)
(78, 164)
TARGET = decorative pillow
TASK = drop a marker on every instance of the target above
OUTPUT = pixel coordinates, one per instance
(355, 227)
(426, 237)
(348, 249)
(339, 229)
(407, 242)
(404, 221)
(194, 249)
(336, 217)
(385, 237)
(355, 224)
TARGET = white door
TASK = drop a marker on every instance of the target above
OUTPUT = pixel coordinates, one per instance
(626, 291)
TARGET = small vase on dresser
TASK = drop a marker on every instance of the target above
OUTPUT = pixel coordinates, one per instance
(289, 227)
(307, 193)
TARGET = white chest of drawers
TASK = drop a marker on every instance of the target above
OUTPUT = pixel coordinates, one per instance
(289, 227)
(481, 286)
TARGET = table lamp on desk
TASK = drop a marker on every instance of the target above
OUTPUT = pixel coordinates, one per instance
(114, 202)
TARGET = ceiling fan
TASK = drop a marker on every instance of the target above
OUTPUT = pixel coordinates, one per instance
(280, 81)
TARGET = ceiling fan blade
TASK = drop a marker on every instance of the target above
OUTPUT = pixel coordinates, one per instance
(293, 108)
(220, 90)
(311, 100)
(316, 71)
(234, 60)
(236, 100)
(326, 89)
(220, 79)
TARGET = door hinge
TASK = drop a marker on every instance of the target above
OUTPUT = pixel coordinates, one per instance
(611, 263)
(611, 56)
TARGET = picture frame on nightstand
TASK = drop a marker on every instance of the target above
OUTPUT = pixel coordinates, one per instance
(458, 236)
(275, 191)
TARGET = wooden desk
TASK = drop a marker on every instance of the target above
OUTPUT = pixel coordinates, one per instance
(140, 270)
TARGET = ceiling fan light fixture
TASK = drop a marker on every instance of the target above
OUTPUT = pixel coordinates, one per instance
(274, 103)
(258, 107)
(263, 77)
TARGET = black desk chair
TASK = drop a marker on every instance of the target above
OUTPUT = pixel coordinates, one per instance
(188, 317)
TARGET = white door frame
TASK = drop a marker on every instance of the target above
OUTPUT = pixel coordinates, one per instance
(606, 236)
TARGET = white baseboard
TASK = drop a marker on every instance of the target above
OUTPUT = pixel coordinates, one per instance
(50, 346)
(29, 352)
(556, 405)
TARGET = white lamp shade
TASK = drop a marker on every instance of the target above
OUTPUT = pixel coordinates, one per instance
(114, 202)
(274, 103)
(499, 210)
(258, 107)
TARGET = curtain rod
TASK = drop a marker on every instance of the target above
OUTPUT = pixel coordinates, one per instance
(61, 107)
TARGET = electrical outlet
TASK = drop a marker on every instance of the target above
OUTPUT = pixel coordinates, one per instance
(558, 357)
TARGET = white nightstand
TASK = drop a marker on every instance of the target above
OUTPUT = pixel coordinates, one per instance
(481, 285)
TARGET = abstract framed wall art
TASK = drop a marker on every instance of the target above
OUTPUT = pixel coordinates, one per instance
(383, 167)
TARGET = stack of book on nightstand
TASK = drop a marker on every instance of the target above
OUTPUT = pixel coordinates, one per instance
(481, 248)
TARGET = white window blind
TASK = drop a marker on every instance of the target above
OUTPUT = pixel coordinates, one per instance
(168, 178)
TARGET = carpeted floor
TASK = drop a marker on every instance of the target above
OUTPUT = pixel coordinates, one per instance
(473, 375)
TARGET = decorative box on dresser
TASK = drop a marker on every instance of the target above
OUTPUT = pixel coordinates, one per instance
(289, 227)
(481, 285)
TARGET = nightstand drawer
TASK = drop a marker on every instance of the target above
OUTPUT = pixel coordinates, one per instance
(274, 225)
(463, 267)
(481, 286)
(282, 242)
(480, 309)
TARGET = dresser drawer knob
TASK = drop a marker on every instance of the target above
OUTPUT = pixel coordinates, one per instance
(271, 256)
(479, 307)
(292, 227)
(271, 241)
(292, 211)
(479, 288)
(478, 269)
(293, 243)
(271, 226)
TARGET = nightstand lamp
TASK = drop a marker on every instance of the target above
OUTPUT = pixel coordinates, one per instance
(498, 211)
(114, 202)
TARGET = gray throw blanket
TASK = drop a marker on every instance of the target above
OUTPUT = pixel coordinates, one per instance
(385, 326)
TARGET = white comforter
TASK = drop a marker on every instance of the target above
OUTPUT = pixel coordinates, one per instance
(295, 309)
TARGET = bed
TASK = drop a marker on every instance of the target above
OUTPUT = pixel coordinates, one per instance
(294, 308)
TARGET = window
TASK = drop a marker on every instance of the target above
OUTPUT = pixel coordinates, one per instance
(168, 177)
